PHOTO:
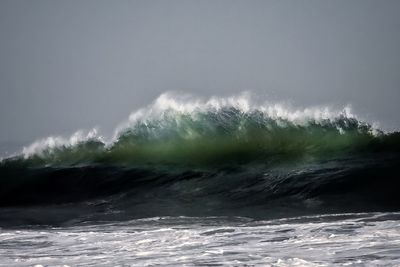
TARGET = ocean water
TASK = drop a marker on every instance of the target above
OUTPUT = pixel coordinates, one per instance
(354, 239)
(207, 183)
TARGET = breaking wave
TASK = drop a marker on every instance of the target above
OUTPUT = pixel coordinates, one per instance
(216, 131)
(222, 156)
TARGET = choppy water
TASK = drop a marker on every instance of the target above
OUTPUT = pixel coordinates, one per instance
(364, 239)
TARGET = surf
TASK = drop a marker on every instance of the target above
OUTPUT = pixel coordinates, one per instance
(191, 131)
(213, 157)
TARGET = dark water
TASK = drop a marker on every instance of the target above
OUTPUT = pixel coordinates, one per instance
(56, 196)
(222, 186)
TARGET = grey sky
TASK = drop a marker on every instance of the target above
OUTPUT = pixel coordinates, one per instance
(68, 65)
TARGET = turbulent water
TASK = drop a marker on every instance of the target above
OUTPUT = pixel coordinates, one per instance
(223, 181)
(334, 240)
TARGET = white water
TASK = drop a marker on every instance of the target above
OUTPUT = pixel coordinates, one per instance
(371, 239)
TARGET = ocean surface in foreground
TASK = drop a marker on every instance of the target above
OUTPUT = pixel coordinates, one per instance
(357, 239)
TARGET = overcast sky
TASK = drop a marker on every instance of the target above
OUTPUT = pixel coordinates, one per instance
(69, 65)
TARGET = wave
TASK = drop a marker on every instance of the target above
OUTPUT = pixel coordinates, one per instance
(231, 156)
(187, 131)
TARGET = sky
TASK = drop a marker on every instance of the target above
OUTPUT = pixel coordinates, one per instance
(70, 65)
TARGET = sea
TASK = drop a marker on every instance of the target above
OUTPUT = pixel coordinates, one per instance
(214, 182)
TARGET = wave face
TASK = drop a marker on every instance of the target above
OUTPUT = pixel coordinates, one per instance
(217, 131)
(215, 157)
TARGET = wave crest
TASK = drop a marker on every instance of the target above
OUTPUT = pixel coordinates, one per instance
(186, 130)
